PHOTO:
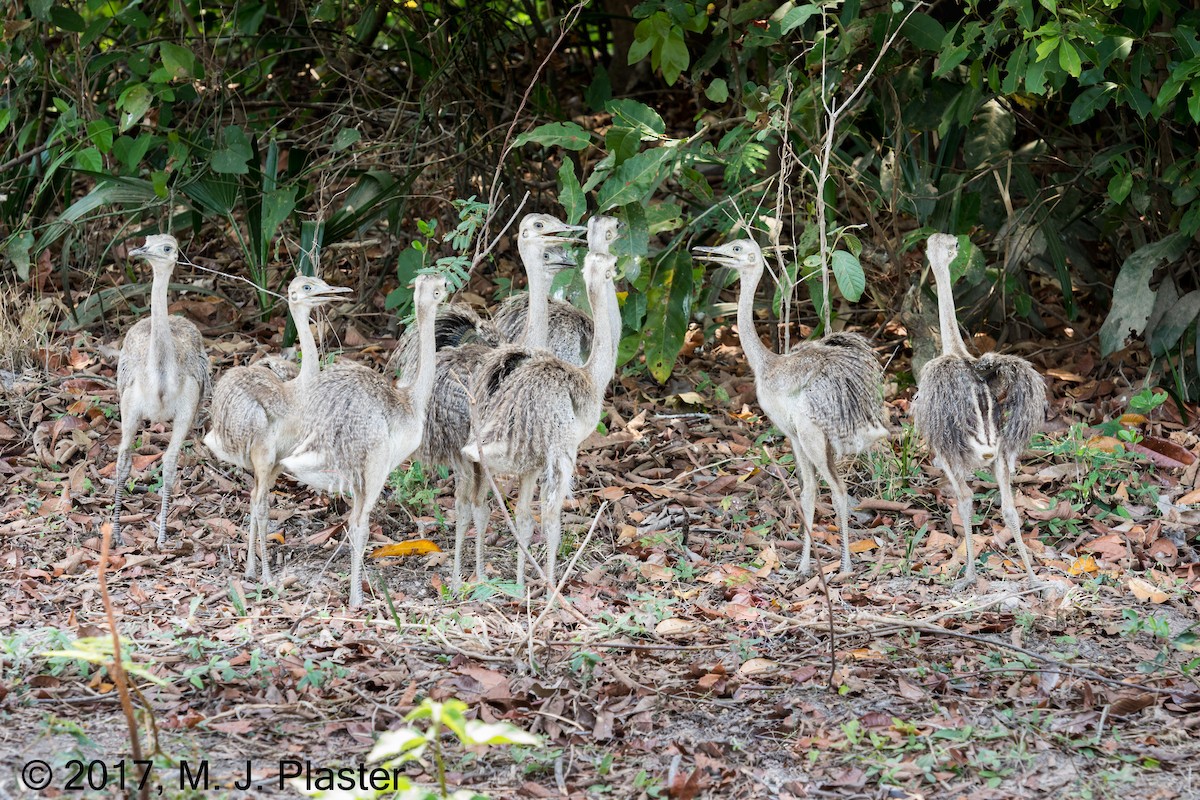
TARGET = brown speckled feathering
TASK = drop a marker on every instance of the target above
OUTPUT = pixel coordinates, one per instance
(359, 426)
(540, 409)
(826, 395)
(162, 375)
(973, 412)
(252, 411)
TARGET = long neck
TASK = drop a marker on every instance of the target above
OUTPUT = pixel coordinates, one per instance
(952, 341)
(310, 359)
(756, 352)
(537, 316)
(162, 345)
(602, 360)
(614, 317)
(420, 385)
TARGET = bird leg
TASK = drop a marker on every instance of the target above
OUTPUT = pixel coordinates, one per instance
(256, 542)
(808, 502)
(462, 504)
(179, 431)
(1008, 508)
(524, 523)
(359, 529)
(964, 503)
(554, 493)
(482, 514)
(129, 428)
(817, 449)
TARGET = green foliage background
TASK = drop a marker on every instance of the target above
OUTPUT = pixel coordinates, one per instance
(1061, 136)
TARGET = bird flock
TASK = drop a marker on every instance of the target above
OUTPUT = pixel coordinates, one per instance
(517, 394)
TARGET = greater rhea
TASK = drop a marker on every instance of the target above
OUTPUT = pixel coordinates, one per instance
(162, 374)
(826, 396)
(975, 412)
(464, 343)
(538, 410)
(554, 324)
(252, 409)
(360, 426)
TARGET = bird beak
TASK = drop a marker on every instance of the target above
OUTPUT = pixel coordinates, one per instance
(330, 293)
(137, 252)
(710, 254)
(571, 229)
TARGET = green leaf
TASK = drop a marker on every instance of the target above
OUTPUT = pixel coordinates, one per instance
(1133, 298)
(669, 309)
(848, 272)
(796, 17)
(232, 159)
(1068, 59)
(1119, 187)
(562, 134)
(1090, 101)
(89, 159)
(277, 206)
(640, 116)
(1170, 328)
(17, 251)
(675, 57)
(570, 195)
(179, 62)
(134, 102)
(67, 19)
(100, 133)
(345, 138)
(924, 31)
(483, 733)
(636, 178)
(130, 151)
(622, 143)
(992, 132)
(717, 90)
(949, 58)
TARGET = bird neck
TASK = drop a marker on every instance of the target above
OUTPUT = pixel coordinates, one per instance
(602, 360)
(614, 316)
(952, 341)
(756, 352)
(537, 316)
(420, 385)
(310, 359)
(162, 345)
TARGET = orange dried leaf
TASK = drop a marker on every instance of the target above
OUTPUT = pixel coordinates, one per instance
(1083, 565)
(413, 547)
(276, 537)
(863, 545)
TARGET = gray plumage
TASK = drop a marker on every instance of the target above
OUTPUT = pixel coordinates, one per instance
(162, 374)
(359, 426)
(540, 410)
(975, 412)
(252, 411)
(570, 329)
(826, 396)
(464, 343)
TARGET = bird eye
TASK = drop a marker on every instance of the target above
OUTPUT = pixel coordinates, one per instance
(737, 248)
(307, 287)
(539, 225)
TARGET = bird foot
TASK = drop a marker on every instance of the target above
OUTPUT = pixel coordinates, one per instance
(1047, 589)
(966, 583)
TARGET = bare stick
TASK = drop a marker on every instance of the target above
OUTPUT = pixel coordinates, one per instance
(118, 668)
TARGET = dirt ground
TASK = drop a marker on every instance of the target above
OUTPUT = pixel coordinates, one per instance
(688, 658)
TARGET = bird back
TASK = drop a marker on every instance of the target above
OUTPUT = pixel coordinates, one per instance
(457, 324)
(1019, 396)
(839, 384)
(955, 412)
(245, 404)
(191, 359)
(570, 329)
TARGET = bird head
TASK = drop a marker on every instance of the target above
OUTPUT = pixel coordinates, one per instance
(546, 229)
(941, 249)
(598, 268)
(310, 291)
(428, 291)
(557, 258)
(602, 231)
(160, 249)
(743, 255)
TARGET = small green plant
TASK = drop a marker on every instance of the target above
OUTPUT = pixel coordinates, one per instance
(396, 748)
